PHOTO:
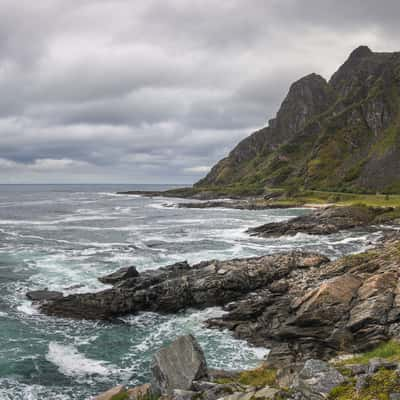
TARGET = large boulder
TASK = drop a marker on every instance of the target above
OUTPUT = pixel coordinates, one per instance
(317, 379)
(177, 366)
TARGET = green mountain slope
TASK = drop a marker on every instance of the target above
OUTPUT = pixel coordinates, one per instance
(341, 135)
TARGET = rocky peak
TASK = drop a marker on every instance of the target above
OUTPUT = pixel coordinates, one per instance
(360, 52)
(307, 97)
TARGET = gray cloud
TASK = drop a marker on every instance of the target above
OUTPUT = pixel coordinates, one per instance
(158, 91)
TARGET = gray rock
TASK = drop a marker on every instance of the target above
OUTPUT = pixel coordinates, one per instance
(239, 396)
(44, 295)
(120, 275)
(377, 363)
(394, 396)
(177, 366)
(179, 394)
(318, 378)
(266, 393)
(361, 382)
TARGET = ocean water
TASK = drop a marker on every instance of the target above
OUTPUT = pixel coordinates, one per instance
(62, 237)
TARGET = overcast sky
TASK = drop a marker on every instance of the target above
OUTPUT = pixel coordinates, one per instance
(143, 91)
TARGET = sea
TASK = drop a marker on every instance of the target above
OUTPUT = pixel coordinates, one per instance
(63, 237)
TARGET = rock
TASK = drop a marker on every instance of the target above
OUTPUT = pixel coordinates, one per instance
(44, 295)
(266, 393)
(318, 378)
(239, 396)
(109, 394)
(394, 396)
(322, 221)
(177, 366)
(361, 382)
(138, 392)
(179, 394)
(180, 286)
(376, 364)
(120, 275)
(298, 304)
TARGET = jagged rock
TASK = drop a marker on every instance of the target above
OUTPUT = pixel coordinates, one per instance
(179, 286)
(178, 366)
(318, 378)
(44, 295)
(109, 394)
(120, 275)
(322, 221)
(297, 304)
(331, 136)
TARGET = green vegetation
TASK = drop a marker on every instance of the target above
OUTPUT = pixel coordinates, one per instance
(378, 387)
(258, 377)
(121, 396)
(389, 350)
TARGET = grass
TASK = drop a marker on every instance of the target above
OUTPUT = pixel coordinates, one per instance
(258, 377)
(389, 350)
(378, 387)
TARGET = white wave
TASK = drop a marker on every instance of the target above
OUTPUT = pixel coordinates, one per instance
(28, 308)
(3, 314)
(71, 362)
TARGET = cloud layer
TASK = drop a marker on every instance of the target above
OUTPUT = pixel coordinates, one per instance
(157, 91)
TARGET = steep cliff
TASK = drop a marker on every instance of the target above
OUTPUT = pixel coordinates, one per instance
(341, 135)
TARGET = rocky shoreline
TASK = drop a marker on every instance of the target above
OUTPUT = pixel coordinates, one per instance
(302, 306)
(179, 371)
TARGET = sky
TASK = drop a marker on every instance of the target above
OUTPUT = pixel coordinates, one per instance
(157, 91)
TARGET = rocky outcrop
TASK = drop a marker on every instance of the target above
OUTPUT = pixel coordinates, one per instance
(324, 221)
(177, 366)
(256, 204)
(341, 135)
(180, 286)
(297, 304)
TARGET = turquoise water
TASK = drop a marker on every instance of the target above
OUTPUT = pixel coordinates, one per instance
(64, 236)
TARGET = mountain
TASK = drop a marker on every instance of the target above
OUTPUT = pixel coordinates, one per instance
(340, 135)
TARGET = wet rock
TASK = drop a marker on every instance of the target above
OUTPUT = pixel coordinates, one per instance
(178, 366)
(44, 295)
(322, 221)
(120, 275)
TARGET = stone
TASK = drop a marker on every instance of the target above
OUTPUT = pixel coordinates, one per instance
(376, 364)
(394, 396)
(179, 394)
(119, 275)
(318, 378)
(44, 295)
(266, 393)
(240, 396)
(109, 394)
(139, 392)
(177, 366)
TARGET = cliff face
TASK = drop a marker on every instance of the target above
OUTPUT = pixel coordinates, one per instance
(341, 135)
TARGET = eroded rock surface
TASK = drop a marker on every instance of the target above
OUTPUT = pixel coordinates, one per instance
(323, 221)
(298, 304)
